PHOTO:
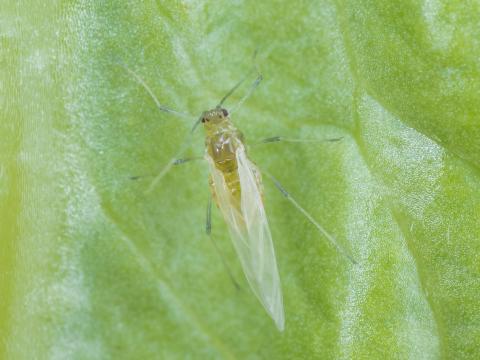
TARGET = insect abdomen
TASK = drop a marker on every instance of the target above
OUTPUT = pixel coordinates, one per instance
(232, 181)
(222, 147)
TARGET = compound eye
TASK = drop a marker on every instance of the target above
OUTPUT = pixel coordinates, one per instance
(225, 112)
(204, 119)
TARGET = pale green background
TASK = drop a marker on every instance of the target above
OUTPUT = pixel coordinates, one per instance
(90, 268)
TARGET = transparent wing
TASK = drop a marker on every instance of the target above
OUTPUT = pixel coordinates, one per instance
(250, 234)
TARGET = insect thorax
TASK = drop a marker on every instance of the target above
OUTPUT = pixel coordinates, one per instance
(222, 142)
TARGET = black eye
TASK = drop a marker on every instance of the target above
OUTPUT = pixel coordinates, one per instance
(203, 120)
(225, 112)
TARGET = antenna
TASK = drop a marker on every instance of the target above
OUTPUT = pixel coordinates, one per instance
(235, 87)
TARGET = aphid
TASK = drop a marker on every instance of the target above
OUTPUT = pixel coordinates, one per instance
(236, 187)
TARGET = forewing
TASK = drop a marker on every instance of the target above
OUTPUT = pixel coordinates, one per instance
(251, 235)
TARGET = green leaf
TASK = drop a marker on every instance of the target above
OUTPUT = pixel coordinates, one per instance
(93, 268)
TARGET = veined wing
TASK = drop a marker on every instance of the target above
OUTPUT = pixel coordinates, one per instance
(251, 235)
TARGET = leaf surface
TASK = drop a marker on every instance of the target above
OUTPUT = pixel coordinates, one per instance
(93, 268)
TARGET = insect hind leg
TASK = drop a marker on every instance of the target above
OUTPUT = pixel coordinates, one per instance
(208, 230)
(310, 218)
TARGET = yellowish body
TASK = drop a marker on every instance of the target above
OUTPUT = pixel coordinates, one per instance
(222, 140)
(237, 189)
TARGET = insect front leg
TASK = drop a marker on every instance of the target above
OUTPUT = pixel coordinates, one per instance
(173, 161)
(150, 92)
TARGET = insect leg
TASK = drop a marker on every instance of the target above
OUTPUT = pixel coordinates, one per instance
(161, 107)
(174, 159)
(185, 160)
(167, 168)
(165, 109)
(175, 163)
(310, 218)
(293, 140)
(208, 230)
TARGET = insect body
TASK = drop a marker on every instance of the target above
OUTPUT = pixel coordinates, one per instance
(236, 186)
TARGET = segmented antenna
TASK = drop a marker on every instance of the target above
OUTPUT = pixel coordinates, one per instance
(236, 86)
